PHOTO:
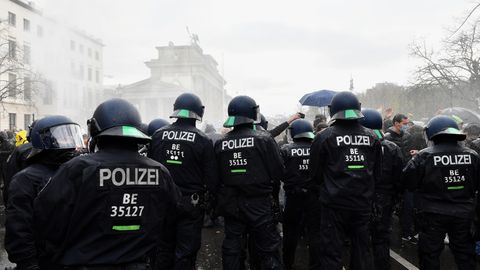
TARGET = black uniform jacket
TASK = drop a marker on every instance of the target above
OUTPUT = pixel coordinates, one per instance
(345, 161)
(249, 161)
(16, 162)
(392, 165)
(110, 207)
(19, 225)
(296, 158)
(445, 178)
(188, 154)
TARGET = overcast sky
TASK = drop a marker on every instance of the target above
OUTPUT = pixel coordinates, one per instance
(275, 50)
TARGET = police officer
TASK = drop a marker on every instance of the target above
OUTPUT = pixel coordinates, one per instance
(386, 190)
(108, 209)
(51, 147)
(188, 154)
(445, 177)
(296, 158)
(155, 125)
(345, 161)
(250, 165)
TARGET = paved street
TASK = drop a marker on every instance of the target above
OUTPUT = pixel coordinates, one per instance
(210, 255)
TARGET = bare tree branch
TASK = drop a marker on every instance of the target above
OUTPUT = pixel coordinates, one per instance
(465, 20)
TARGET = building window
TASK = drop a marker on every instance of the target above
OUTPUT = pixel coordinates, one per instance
(97, 76)
(27, 120)
(26, 54)
(72, 68)
(80, 48)
(81, 72)
(12, 85)
(97, 55)
(12, 121)
(90, 74)
(39, 31)
(27, 89)
(12, 49)
(26, 25)
(12, 19)
(89, 52)
(72, 45)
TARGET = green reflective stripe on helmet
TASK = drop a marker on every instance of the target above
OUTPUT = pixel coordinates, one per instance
(126, 228)
(183, 113)
(239, 171)
(453, 131)
(350, 114)
(307, 134)
(456, 187)
(378, 133)
(131, 131)
(230, 121)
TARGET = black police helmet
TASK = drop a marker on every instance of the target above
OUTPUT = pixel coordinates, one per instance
(53, 133)
(263, 122)
(188, 105)
(345, 106)
(29, 130)
(443, 125)
(301, 128)
(372, 119)
(144, 128)
(242, 110)
(156, 124)
(116, 117)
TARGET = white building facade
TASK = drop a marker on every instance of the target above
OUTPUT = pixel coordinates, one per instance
(176, 70)
(70, 63)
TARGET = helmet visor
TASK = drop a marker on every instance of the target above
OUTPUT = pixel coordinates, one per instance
(63, 137)
(183, 113)
(350, 114)
(258, 120)
(307, 135)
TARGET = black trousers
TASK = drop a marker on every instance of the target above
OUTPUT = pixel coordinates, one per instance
(188, 236)
(255, 219)
(335, 226)
(293, 225)
(407, 217)
(381, 229)
(313, 215)
(433, 228)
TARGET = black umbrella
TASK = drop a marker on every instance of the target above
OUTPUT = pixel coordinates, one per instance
(319, 98)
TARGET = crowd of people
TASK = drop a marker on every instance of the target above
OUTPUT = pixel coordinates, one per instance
(132, 196)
